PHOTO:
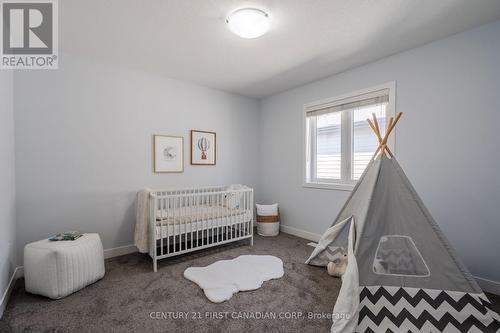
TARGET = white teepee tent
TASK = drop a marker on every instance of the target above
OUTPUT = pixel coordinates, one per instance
(401, 274)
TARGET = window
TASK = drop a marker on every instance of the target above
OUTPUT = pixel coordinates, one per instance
(339, 143)
(398, 255)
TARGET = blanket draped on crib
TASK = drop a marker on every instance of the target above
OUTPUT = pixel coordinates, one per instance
(141, 239)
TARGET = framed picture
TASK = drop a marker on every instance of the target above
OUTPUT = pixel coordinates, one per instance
(168, 153)
(203, 148)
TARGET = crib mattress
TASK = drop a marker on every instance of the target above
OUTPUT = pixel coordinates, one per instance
(183, 225)
(196, 214)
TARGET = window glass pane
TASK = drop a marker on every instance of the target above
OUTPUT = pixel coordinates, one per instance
(328, 145)
(364, 139)
(398, 255)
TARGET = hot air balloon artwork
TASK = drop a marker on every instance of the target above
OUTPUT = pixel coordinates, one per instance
(203, 147)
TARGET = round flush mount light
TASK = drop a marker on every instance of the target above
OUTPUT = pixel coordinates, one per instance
(249, 22)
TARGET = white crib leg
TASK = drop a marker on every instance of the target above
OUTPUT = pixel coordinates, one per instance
(251, 241)
(155, 265)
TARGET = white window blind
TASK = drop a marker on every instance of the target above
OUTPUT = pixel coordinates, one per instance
(351, 103)
(339, 141)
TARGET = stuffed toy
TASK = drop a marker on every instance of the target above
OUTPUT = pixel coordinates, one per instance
(337, 268)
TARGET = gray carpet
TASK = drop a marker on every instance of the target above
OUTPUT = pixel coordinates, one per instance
(124, 300)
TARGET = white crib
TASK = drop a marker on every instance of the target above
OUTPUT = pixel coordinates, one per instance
(186, 220)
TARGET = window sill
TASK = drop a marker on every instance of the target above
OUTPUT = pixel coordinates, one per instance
(330, 186)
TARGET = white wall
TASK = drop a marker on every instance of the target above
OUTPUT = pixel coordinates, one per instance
(7, 184)
(84, 145)
(447, 141)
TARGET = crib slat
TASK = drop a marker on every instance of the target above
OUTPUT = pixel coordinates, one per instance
(226, 217)
(162, 208)
(183, 224)
(195, 214)
(250, 214)
(203, 227)
(185, 218)
(167, 229)
(198, 221)
(219, 221)
(176, 230)
(243, 214)
(238, 225)
(191, 217)
(179, 229)
(235, 218)
(217, 216)
(212, 213)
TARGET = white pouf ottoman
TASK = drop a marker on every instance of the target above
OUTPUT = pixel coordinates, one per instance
(58, 268)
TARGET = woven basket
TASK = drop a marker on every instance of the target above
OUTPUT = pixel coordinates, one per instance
(268, 225)
(268, 219)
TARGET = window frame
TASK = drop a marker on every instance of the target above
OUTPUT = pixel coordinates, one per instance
(346, 135)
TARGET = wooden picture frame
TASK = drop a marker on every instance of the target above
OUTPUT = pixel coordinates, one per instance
(168, 154)
(203, 147)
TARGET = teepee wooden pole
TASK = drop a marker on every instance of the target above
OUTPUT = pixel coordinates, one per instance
(375, 121)
(386, 146)
(389, 130)
(382, 144)
(376, 129)
(376, 152)
(388, 150)
(383, 147)
(398, 116)
(382, 152)
(389, 124)
(379, 137)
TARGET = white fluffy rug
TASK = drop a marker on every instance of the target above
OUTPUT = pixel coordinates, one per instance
(224, 278)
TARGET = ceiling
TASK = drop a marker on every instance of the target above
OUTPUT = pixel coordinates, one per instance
(309, 39)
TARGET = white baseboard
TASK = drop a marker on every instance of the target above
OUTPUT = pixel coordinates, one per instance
(300, 233)
(19, 273)
(488, 285)
(8, 290)
(119, 251)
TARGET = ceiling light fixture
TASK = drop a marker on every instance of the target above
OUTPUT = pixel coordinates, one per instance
(249, 22)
